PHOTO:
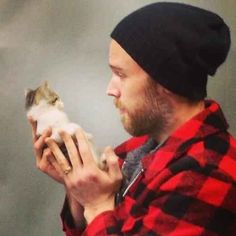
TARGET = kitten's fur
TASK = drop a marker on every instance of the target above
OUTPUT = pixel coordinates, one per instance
(45, 106)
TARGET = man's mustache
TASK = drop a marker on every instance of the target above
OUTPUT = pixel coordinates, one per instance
(118, 104)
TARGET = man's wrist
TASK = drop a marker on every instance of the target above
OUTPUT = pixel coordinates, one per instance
(90, 212)
(77, 212)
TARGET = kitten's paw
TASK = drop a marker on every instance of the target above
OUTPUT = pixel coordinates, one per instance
(89, 136)
(55, 136)
(70, 128)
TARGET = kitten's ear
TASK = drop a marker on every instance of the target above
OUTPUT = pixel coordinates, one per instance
(27, 91)
(45, 84)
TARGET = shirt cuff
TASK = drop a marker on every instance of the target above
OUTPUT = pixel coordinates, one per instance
(103, 224)
(68, 224)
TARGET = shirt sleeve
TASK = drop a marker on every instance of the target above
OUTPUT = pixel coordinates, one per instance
(188, 203)
(183, 199)
(99, 226)
(68, 225)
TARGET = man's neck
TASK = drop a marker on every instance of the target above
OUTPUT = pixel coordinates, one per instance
(182, 112)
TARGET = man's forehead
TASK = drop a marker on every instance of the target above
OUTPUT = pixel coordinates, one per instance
(116, 49)
(118, 57)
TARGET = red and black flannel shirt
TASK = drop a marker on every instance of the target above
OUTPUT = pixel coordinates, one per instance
(187, 186)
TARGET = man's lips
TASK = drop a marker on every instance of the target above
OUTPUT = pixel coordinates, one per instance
(119, 106)
(122, 111)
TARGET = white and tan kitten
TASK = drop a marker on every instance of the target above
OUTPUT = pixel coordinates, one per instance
(45, 106)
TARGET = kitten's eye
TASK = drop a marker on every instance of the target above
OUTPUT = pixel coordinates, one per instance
(54, 100)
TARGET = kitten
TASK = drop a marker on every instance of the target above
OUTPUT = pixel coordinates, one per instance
(45, 106)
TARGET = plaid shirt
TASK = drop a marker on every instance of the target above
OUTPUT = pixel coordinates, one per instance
(186, 187)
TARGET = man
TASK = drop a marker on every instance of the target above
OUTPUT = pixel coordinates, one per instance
(178, 171)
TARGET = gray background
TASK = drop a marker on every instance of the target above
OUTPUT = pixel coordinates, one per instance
(66, 43)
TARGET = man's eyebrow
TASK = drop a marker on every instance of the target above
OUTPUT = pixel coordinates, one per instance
(116, 67)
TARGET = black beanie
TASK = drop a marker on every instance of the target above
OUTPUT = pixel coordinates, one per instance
(178, 45)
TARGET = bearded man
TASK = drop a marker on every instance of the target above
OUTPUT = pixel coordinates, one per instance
(176, 175)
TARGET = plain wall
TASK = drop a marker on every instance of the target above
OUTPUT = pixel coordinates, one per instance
(66, 43)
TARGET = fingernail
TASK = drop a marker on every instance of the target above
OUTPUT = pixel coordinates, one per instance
(109, 149)
(61, 132)
(47, 140)
(48, 130)
(80, 129)
(30, 118)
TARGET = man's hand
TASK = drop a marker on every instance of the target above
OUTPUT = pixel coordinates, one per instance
(45, 160)
(92, 187)
(47, 163)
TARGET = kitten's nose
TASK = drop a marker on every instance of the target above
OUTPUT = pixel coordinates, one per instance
(60, 104)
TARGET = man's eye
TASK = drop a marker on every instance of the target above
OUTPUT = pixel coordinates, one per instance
(120, 74)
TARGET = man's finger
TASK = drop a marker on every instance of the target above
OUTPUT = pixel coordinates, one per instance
(84, 147)
(40, 143)
(61, 159)
(54, 163)
(112, 164)
(33, 124)
(71, 149)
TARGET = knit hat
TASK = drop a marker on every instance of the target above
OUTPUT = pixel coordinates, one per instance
(178, 45)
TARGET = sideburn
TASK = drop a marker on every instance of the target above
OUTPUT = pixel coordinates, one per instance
(159, 109)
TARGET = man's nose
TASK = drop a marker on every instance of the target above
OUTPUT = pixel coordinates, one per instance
(113, 88)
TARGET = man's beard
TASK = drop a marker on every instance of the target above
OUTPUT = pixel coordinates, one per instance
(149, 117)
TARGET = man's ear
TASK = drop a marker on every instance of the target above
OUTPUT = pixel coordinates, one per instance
(163, 90)
(166, 91)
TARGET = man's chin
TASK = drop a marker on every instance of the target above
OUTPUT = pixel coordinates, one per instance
(130, 129)
(124, 119)
(125, 122)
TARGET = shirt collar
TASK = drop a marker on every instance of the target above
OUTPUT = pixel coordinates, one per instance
(208, 122)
